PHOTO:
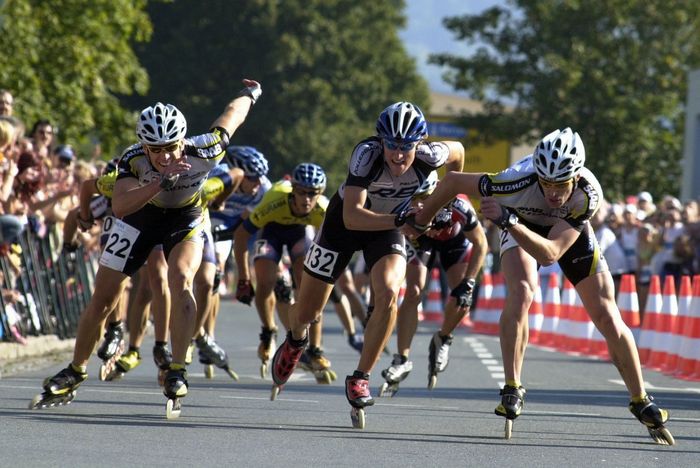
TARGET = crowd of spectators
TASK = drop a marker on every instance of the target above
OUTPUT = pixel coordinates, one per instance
(40, 178)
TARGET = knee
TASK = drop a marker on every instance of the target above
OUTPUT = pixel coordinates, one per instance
(521, 294)
(412, 295)
(385, 300)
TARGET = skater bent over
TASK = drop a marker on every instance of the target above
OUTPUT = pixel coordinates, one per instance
(543, 204)
(157, 198)
(367, 213)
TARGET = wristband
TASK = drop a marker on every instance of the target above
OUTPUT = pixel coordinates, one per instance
(168, 182)
(253, 92)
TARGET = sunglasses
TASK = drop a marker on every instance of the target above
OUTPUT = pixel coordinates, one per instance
(167, 149)
(394, 145)
(306, 193)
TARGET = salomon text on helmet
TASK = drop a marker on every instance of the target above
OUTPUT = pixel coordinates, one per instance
(250, 160)
(309, 175)
(161, 125)
(559, 156)
(402, 121)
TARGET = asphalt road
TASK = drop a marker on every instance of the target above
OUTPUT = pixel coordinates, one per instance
(575, 415)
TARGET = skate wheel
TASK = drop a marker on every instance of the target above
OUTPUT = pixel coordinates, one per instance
(173, 408)
(333, 375)
(324, 378)
(275, 391)
(232, 374)
(509, 429)
(209, 371)
(263, 370)
(432, 382)
(161, 377)
(104, 372)
(36, 402)
(383, 389)
(357, 415)
(662, 436)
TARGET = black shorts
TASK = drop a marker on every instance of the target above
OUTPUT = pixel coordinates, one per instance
(275, 236)
(132, 238)
(335, 245)
(583, 259)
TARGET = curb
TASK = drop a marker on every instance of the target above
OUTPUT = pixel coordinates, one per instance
(14, 355)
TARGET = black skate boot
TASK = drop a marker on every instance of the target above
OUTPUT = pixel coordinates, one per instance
(268, 337)
(357, 393)
(162, 357)
(315, 362)
(398, 370)
(215, 354)
(175, 388)
(60, 389)
(654, 418)
(111, 349)
(512, 401)
(438, 357)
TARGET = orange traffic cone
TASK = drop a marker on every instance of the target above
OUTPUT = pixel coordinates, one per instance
(565, 324)
(483, 303)
(652, 310)
(551, 311)
(662, 339)
(689, 354)
(433, 311)
(490, 316)
(628, 303)
(684, 297)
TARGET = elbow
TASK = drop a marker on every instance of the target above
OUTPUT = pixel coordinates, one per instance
(118, 211)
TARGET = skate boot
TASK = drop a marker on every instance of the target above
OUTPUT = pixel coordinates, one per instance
(285, 361)
(215, 354)
(356, 341)
(654, 419)
(268, 337)
(111, 348)
(60, 389)
(162, 357)
(175, 388)
(398, 370)
(357, 393)
(315, 362)
(128, 361)
(438, 357)
(512, 401)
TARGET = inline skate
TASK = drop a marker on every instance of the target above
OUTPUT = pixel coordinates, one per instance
(285, 361)
(398, 370)
(315, 362)
(512, 401)
(175, 388)
(654, 418)
(60, 389)
(438, 357)
(268, 338)
(111, 349)
(214, 354)
(357, 393)
(356, 341)
(162, 357)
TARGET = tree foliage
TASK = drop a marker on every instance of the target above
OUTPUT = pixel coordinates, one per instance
(614, 70)
(66, 60)
(327, 68)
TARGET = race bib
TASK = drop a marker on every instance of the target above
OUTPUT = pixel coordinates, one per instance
(320, 260)
(120, 241)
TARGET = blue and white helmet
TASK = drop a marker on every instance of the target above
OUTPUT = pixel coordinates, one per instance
(402, 121)
(559, 156)
(309, 175)
(160, 125)
(247, 158)
(428, 186)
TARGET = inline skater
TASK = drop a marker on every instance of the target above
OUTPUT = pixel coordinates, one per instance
(367, 213)
(457, 238)
(543, 204)
(284, 215)
(157, 198)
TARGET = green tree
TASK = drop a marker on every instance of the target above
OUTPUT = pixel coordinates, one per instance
(327, 68)
(614, 70)
(67, 60)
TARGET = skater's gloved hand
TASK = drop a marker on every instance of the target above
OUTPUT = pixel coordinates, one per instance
(464, 292)
(245, 291)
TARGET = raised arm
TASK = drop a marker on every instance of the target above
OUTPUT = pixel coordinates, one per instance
(237, 110)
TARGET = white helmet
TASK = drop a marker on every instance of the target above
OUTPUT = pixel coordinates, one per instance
(428, 186)
(161, 124)
(559, 156)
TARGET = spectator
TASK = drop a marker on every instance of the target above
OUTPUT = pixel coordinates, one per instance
(609, 245)
(628, 236)
(645, 204)
(6, 102)
(42, 137)
(10, 226)
(647, 247)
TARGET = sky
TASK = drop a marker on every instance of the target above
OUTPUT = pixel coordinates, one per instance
(425, 33)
